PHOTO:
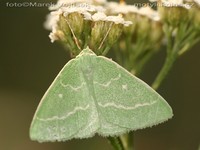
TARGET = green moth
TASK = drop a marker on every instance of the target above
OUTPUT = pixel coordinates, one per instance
(93, 94)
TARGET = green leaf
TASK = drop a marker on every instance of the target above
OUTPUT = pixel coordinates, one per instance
(93, 94)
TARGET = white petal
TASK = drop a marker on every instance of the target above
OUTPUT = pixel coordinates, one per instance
(53, 35)
(100, 1)
(52, 19)
(99, 16)
(197, 1)
(117, 8)
(153, 0)
(66, 3)
(179, 2)
(149, 12)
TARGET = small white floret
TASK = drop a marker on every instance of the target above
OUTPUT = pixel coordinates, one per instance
(52, 19)
(99, 16)
(175, 3)
(150, 13)
(100, 1)
(197, 1)
(53, 35)
(117, 8)
(67, 3)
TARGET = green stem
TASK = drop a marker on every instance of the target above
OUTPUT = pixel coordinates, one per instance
(170, 59)
(130, 144)
(127, 140)
(165, 70)
(139, 67)
(180, 44)
(106, 50)
(116, 143)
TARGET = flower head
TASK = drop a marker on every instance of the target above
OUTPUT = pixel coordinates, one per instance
(149, 25)
(145, 22)
(83, 25)
(173, 12)
(65, 3)
(106, 30)
(194, 14)
(128, 12)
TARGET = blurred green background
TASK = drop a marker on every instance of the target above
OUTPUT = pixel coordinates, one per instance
(29, 63)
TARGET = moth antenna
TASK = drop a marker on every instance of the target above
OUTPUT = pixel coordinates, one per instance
(74, 36)
(106, 36)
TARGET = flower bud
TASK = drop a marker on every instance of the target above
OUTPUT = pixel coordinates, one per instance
(71, 3)
(146, 25)
(99, 2)
(129, 13)
(149, 26)
(194, 14)
(173, 12)
(157, 34)
(106, 30)
(78, 27)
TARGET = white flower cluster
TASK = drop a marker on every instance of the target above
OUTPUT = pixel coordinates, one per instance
(89, 12)
(83, 8)
(100, 16)
(178, 3)
(175, 3)
(65, 3)
(52, 19)
(150, 13)
(197, 1)
(116, 8)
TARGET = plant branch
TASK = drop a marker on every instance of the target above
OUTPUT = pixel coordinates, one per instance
(127, 140)
(116, 143)
(176, 46)
(164, 71)
(170, 59)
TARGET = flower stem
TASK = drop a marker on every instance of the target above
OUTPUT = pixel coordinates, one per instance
(165, 70)
(170, 59)
(116, 143)
(140, 66)
(127, 141)
(176, 45)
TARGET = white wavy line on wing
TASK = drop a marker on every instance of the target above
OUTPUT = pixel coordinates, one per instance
(72, 87)
(119, 106)
(109, 82)
(65, 116)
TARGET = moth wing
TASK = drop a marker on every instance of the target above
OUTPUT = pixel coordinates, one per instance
(124, 101)
(65, 110)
